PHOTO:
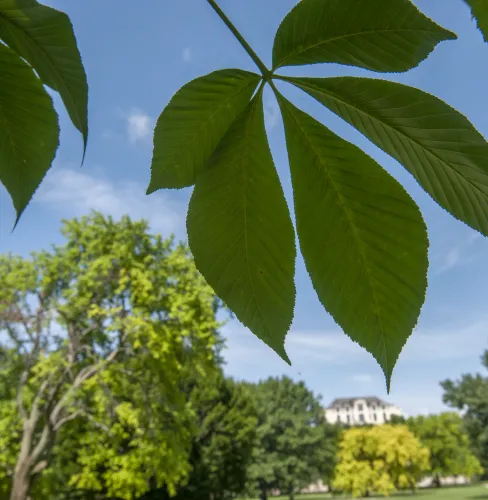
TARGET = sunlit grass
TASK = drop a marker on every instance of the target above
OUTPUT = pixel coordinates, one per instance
(479, 492)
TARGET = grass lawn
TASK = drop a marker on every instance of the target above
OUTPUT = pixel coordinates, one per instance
(459, 493)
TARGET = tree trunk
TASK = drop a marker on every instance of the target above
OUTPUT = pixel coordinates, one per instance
(263, 495)
(437, 481)
(21, 481)
(291, 493)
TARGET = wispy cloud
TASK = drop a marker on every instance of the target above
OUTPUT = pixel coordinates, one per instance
(139, 126)
(187, 55)
(458, 254)
(332, 348)
(271, 111)
(362, 378)
(76, 193)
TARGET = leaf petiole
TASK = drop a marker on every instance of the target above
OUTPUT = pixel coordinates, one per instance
(267, 74)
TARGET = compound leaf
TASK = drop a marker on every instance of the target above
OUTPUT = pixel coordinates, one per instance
(193, 123)
(479, 9)
(240, 231)
(434, 142)
(362, 237)
(44, 37)
(29, 131)
(379, 35)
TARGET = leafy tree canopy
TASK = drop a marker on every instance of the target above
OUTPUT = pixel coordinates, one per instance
(448, 443)
(295, 446)
(470, 395)
(379, 459)
(98, 338)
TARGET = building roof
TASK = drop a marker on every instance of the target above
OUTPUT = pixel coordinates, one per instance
(350, 401)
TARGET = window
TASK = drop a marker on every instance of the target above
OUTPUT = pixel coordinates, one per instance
(348, 419)
(338, 410)
(338, 418)
(360, 407)
(361, 417)
(374, 417)
(385, 417)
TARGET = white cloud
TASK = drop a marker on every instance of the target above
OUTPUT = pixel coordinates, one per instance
(78, 193)
(457, 255)
(187, 55)
(139, 126)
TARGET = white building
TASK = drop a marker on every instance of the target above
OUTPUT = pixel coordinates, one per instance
(360, 411)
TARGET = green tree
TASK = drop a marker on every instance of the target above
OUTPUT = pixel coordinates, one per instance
(470, 395)
(448, 443)
(100, 334)
(223, 443)
(379, 459)
(294, 444)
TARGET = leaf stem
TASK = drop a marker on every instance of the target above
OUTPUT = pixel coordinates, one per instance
(267, 75)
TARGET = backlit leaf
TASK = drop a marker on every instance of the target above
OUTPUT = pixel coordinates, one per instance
(479, 9)
(434, 142)
(362, 237)
(193, 123)
(28, 129)
(380, 35)
(44, 37)
(240, 231)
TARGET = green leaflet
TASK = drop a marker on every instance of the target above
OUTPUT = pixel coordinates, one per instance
(479, 9)
(44, 38)
(240, 232)
(380, 35)
(435, 143)
(29, 129)
(362, 237)
(193, 123)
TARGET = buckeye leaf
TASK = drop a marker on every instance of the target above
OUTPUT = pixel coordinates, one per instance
(380, 35)
(44, 37)
(240, 231)
(362, 237)
(435, 143)
(193, 123)
(479, 9)
(28, 129)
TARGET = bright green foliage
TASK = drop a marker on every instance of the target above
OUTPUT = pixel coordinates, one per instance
(362, 237)
(380, 35)
(240, 231)
(194, 122)
(28, 128)
(448, 443)
(380, 460)
(107, 329)
(294, 445)
(470, 394)
(479, 8)
(44, 37)
(444, 152)
(223, 442)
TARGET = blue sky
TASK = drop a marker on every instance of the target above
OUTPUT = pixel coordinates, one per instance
(137, 54)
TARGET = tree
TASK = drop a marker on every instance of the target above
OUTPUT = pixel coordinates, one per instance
(212, 135)
(293, 442)
(100, 335)
(470, 395)
(448, 443)
(223, 443)
(379, 459)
